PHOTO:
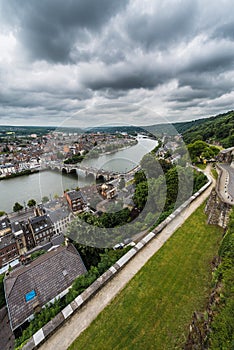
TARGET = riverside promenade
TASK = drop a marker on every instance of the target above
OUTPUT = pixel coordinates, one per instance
(80, 320)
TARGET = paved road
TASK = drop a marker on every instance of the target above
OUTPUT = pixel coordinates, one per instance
(226, 187)
(82, 319)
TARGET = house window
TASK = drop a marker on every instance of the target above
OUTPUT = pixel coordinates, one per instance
(30, 295)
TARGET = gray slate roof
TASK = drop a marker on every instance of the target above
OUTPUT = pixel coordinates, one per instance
(40, 223)
(16, 227)
(48, 276)
(58, 214)
(74, 195)
(6, 240)
(4, 223)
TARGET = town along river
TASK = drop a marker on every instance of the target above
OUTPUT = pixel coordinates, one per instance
(50, 183)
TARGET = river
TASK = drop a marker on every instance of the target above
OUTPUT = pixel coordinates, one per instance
(49, 183)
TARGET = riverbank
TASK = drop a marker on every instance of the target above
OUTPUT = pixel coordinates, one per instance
(118, 149)
(111, 152)
(21, 173)
(50, 183)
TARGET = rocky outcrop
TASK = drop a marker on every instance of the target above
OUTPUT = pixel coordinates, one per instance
(217, 211)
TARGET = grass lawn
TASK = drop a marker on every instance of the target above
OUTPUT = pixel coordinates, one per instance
(201, 166)
(214, 173)
(154, 310)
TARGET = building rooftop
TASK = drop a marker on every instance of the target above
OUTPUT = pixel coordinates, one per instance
(6, 240)
(40, 282)
(57, 240)
(16, 227)
(4, 223)
(58, 214)
(21, 216)
(54, 204)
(73, 195)
(40, 223)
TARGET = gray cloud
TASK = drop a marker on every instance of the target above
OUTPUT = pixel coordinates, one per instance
(57, 58)
(125, 78)
(48, 29)
(163, 26)
(225, 30)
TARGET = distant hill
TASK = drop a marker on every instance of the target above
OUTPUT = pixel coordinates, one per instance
(130, 129)
(24, 130)
(219, 129)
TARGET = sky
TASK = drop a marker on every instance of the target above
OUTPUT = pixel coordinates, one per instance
(105, 62)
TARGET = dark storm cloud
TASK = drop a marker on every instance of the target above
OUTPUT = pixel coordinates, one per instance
(212, 61)
(118, 80)
(136, 73)
(165, 25)
(185, 95)
(48, 29)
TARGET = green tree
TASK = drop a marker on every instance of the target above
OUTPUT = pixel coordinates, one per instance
(141, 194)
(2, 213)
(45, 199)
(37, 254)
(172, 187)
(151, 165)
(17, 206)
(201, 150)
(31, 203)
(121, 182)
(60, 155)
(90, 255)
(139, 176)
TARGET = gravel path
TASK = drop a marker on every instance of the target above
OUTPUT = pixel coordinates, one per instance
(61, 339)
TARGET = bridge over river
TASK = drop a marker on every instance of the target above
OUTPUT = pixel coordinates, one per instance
(81, 170)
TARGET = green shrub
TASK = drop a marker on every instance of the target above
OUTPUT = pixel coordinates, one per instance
(221, 336)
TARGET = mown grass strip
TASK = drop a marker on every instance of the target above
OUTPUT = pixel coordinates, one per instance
(154, 310)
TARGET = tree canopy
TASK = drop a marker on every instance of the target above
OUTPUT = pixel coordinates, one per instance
(215, 129)
(200, 150)
(31, 203)
(45, 199)
(17, 207)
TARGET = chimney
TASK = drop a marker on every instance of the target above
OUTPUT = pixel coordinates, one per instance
(36, 211)
(66, 242)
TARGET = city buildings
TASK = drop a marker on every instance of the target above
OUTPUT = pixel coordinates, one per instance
(30, 229)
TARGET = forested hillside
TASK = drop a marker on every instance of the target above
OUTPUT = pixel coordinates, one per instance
(215, 129)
